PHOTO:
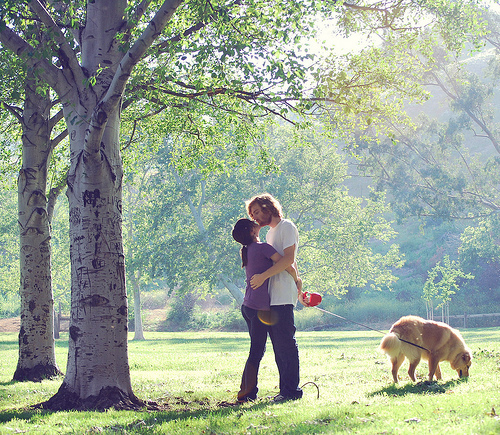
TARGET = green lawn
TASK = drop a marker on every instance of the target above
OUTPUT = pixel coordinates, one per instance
(197, 374)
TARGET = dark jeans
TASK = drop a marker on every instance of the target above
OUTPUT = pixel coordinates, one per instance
(286, 351)
(258, 335)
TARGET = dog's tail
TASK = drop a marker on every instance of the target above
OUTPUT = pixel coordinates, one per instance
(390, 344)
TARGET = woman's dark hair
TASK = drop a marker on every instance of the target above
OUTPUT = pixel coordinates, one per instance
(241, 233)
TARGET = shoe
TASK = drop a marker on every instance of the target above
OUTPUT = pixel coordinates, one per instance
(280, 398)
(246, 399)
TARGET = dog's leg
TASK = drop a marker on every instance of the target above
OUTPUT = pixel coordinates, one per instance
(434, 368)
(396, 364)
(411, 369)
(438, 372)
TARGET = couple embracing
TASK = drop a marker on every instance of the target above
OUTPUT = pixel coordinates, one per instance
(273, 287)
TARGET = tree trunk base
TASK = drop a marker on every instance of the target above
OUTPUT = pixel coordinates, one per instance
(37, 373)
(109, 397)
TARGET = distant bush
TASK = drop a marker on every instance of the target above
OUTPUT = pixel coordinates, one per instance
(10, 305)
(227, 320)
(309, 319)
(154, 299)
(180, 313)
(380, 310)
(377, 311)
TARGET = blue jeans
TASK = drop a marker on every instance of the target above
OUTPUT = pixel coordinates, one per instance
(286, 351)
(258, 336)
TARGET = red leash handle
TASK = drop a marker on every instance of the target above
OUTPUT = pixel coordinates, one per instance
(312, 299)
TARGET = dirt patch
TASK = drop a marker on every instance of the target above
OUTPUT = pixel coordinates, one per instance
(10, 325)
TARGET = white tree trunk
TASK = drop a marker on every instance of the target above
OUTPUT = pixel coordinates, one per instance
(36, 336)
(134, 275)
(235, 291)
(97, 374)
(138, 329)
(446, 315)
(97, 370)
(430, 309)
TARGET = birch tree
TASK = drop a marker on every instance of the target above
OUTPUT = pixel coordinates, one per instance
(36, 336)
(29, 103)
(442, 283)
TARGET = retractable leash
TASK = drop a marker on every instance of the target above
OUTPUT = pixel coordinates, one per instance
(315, 299)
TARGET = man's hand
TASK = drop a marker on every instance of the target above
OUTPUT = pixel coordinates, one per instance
(303, 301)
(257, 280)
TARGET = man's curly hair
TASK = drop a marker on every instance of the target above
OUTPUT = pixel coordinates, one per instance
(266, 202)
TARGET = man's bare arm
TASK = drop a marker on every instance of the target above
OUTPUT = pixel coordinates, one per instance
(282, 264)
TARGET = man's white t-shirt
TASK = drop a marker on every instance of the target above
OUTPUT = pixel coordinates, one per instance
(282, 287)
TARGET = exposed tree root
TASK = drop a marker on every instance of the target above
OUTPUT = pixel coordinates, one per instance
(112, 397)
(37, 373)
(109, 397)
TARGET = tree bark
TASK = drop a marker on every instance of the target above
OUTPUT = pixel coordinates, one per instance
(233, 289)
(97, 374)
(36, 336)
(90, 81)
(134, 275)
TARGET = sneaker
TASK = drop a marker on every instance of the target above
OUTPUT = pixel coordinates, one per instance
(280, 398)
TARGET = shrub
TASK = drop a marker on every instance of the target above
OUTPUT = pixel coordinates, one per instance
(154, 299)
(309, 319)
(226, 320)
(10, 304)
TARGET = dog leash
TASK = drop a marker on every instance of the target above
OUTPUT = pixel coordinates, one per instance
(364, 326)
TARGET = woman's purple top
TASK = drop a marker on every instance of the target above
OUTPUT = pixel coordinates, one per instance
(259, 260)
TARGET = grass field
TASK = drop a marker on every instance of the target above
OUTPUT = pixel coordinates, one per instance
(197, 375)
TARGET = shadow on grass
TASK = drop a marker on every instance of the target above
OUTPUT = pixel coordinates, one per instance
(17, 414)
(212, 416)
(423, 387)
(178, 410)
(144, 422)
(9, 344)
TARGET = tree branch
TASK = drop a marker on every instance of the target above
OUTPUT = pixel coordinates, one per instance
(469, 112)
(66, 54)
(11, 40)
(15, 111)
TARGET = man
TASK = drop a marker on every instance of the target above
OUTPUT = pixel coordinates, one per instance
(284, 237)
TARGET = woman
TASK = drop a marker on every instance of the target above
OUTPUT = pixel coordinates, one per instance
(256, 258)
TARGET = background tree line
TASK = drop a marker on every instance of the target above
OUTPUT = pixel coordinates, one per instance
(177, 237)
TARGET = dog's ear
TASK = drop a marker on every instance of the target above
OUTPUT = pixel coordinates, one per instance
(466, 357)
(462, 359)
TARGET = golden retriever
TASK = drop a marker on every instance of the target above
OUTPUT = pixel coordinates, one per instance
(436, 340)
